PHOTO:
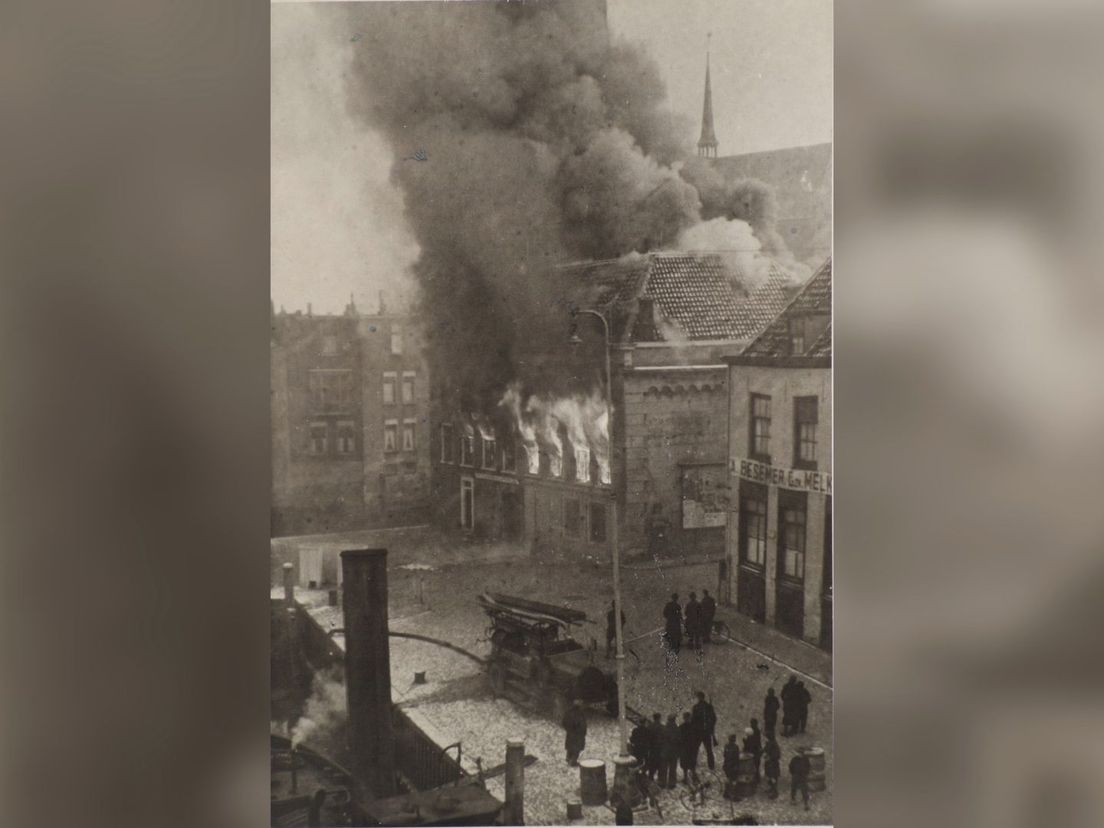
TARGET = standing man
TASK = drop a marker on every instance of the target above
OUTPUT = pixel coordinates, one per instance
(611, 628)
(772, 766)
(688, 741)
(640, 743)
(671, 746)
(704, 718)
(575, 725)
(789, 707)
(770, 712)
(799, 778)
(693, 622)
(672, 614)
(708, 615)
(803, 700)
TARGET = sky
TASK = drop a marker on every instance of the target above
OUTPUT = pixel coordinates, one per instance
(334, 228)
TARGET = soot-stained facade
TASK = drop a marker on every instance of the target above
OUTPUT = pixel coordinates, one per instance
(349, 422)
(547, 471)
(779, 541)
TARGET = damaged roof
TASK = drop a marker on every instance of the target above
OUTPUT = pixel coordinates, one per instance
(695, 296)
(814, 300)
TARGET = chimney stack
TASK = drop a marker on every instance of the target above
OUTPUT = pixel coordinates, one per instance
(368, 670)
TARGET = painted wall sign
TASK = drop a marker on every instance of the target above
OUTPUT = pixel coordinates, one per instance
(797, 479)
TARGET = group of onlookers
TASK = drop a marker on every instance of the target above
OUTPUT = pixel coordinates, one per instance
(697, 620)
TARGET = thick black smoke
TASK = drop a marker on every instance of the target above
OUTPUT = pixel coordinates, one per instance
(544, 144)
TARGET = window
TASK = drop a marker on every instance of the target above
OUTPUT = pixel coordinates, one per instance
(448, 447)
(331, 390)
(489, 451)
(388, 388)
(408, 435)
(760, 427)
(346, 437)
(753, 524)
(598, 522)
(318, 437)
(329, 346)
(408, 387)
(573, 518)
(396, 339)
(805, 426)
(509, 456)
(391, 435)
(467, 502)
(467, 447)
(797, 337)
(791, 537)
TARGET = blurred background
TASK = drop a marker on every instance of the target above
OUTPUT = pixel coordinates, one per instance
(969, 381)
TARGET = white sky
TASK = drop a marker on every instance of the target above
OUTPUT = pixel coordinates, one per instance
(336, 225)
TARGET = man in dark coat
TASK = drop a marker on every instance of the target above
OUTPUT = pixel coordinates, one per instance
(672, 614)
(575, 725)
(770, 712)
(704, 718)
(655, 746)
(772, 765)
(622, 809)
(670, 747)
(693, 622)
(640, 743)
(611, 629)
(799, 778)
(688, 753)
(802, 700)
(753, 744)
(789, 706)
(708, 615)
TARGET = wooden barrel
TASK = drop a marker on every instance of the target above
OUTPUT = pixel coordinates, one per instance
(816, 767)
(592, 781)
(574, 810)
(745, 775)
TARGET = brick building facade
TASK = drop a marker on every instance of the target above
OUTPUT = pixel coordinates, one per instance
(349, 422)
(779, 539)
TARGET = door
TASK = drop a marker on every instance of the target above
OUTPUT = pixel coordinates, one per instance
(790, 594)
(751, 586)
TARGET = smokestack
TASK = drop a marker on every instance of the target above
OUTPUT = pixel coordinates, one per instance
(368, 670)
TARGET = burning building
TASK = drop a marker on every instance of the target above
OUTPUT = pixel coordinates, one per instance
(546, 466)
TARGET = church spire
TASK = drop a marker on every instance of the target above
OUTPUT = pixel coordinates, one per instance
(707, 144)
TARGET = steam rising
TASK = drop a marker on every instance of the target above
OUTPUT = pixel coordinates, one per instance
(325, 715)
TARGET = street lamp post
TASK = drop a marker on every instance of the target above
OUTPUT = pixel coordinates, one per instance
(614, 539)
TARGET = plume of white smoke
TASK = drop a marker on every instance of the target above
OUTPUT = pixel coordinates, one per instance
(325, 713)
(735, 242)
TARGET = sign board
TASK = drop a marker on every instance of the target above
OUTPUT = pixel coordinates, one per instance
(800, 480)
(704, 496)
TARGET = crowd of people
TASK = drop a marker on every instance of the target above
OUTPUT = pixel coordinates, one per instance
(696, 620)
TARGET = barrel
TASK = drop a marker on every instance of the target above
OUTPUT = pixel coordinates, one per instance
(816, 767)
(574, 810)
(745, 775)
(592, 781)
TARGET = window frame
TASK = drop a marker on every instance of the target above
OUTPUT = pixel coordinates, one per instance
(390, 379)
(753, 493)
(753, 420)
(314, 427)
(798, 504)
(409, 426)
(346, 430)
(489, 444)
(808, 403)
(408, 380)
(509, 456)
(396, 339)
(391, 427)
(467, 449)
(796, 330)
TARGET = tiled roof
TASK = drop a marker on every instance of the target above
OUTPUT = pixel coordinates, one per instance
(696, 291)
(815, 298)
